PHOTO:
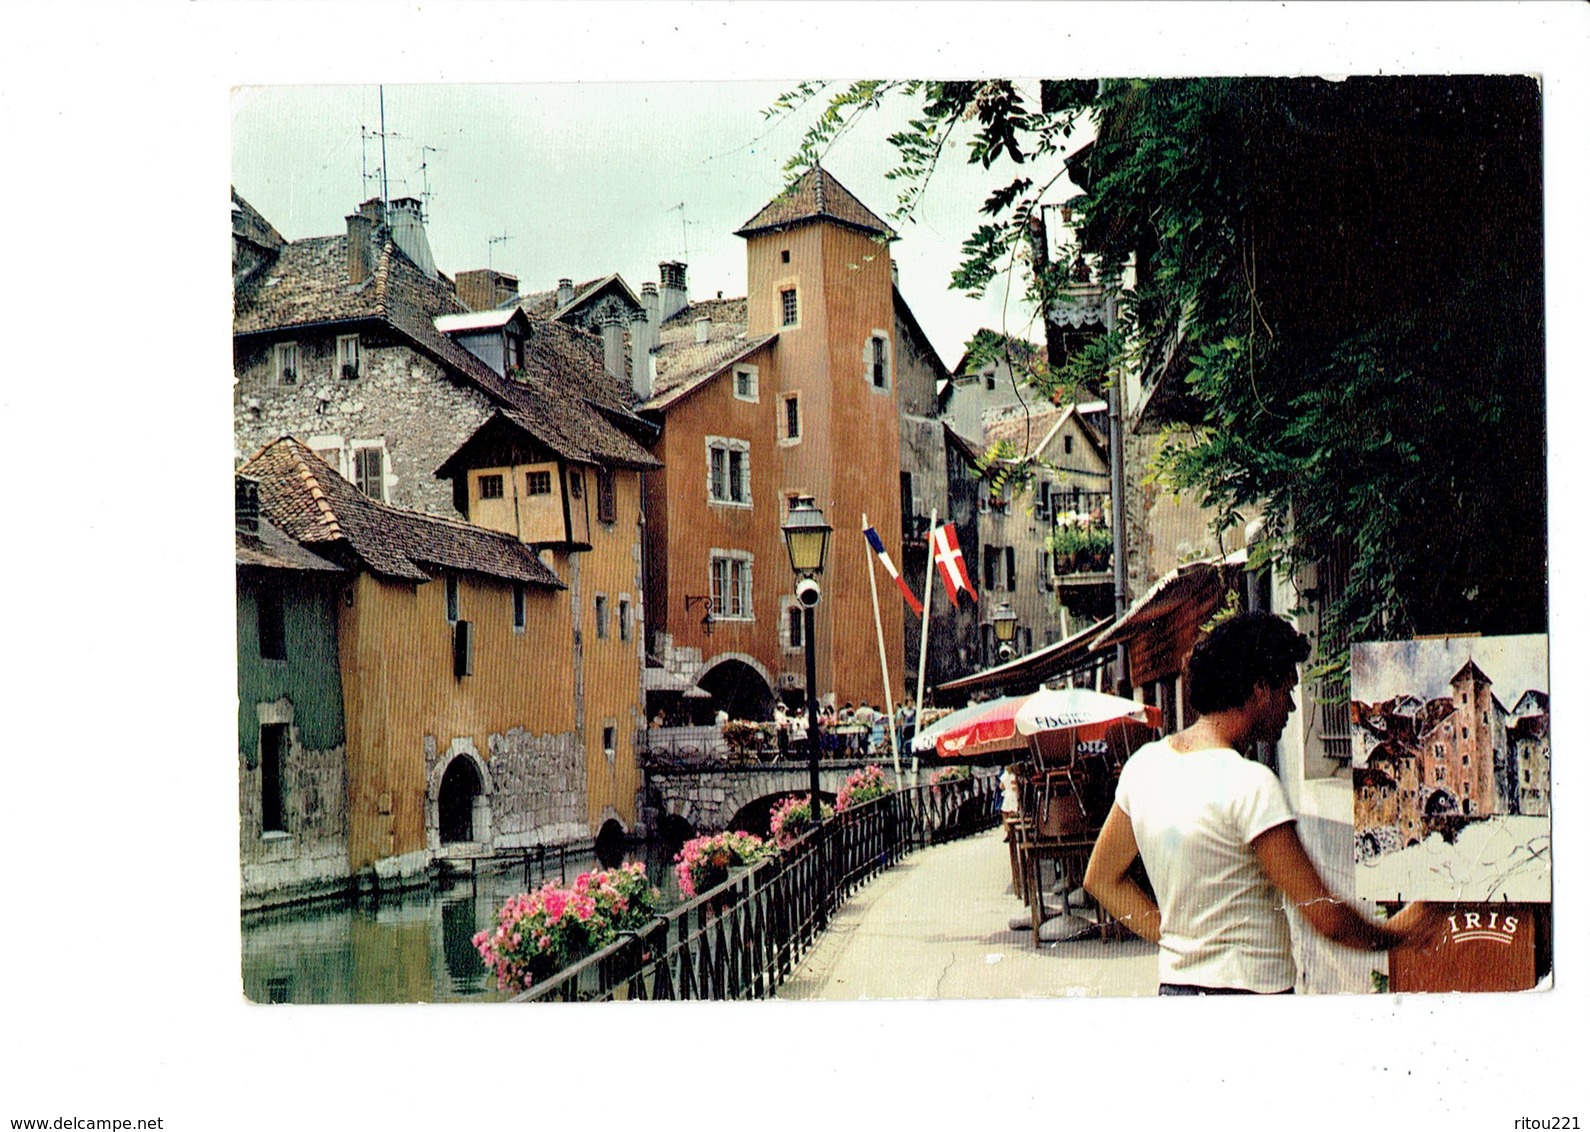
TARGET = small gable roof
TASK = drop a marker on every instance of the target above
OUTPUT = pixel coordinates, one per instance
(544, 304)
(1045, 423)
(269, 548)
(316, 507)
(479, 320)
(816, 195)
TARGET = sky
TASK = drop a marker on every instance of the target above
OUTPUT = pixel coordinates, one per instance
(589, 178)
(1383, 669)
(122, 124)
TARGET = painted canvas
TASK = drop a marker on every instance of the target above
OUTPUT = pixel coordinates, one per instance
(1451, 745)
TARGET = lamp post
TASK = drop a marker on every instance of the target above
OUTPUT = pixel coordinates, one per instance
(1004, 619)
(806, 536)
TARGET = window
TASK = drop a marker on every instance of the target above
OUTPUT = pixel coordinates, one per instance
(348, 356)
(728, 471)
(783, 256)
(789, 306)
(273, 778)
(538, 483)
(576, 483)
(369, 471)
(1010, 568)
(626, 628)
(879, 357)
(731, 585)
(1465, 760)
(287, 363)
(1440, 750)
(609, 738)
(1066, 443)
(491, 487)
(606, 507)
(990, 567)
(988, 382)
(601, 617)
(515, 351)
(272, 624)
(450, 590)
(745, 388)
(792, 417)
(797, 627)
(329, 449)
(518, 607)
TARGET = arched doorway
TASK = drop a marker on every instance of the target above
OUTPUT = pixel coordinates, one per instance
(738, 689)
(609, 846)
(455, 801)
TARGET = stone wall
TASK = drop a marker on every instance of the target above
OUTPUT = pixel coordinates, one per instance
(400, 397)
(310, 858)
(539, 793)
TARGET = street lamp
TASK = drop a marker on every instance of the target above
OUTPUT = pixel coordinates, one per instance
(1004, 619)
(806, 535)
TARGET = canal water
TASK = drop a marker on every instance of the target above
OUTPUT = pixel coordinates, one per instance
(410, 946)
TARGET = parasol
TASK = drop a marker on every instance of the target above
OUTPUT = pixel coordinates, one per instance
(1063, 724)
(974, 730)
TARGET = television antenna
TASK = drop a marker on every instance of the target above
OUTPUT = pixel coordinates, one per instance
(491, 242)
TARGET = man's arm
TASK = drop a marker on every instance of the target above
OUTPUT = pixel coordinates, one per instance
(1106, 879)
(1284, 860)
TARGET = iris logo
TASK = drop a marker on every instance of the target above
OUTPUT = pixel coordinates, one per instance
(1480, 925)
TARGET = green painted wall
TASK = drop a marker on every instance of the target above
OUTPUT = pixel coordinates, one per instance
(309, 676)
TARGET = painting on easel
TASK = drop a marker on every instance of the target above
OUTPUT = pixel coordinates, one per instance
(1452, 770)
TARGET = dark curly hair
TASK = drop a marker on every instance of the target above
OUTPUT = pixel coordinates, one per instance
(1239, 654)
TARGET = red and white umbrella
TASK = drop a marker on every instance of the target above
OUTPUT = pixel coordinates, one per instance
(977, 729)
(1065, 723)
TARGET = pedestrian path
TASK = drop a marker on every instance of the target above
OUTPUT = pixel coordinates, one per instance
(937, 926)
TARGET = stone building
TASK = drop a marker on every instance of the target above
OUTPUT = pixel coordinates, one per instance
(460, 738)
(291, 741)
(356, 345)
(1069, 486)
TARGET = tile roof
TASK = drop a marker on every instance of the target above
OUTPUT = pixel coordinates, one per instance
(816, 195)
(269, 547)
(565, 383)
(1043, 418)
(544, 304)
(251, 226)
(684, 364)
(316, 507)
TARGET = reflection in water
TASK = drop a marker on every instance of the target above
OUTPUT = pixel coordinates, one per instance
(401, 947)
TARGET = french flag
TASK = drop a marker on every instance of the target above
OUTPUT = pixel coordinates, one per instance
(952, 563)
(883, 555)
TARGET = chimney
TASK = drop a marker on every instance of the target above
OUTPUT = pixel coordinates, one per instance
(407, 219)
(613, 344)
(247, 503)
(565, 292)
(642, 339)
(703, 325)
(485, 289)
(675, 295)
(361, 248)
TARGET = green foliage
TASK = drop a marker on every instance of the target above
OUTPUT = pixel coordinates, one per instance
(1378, 430)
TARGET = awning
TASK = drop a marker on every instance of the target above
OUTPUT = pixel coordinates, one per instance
(1058, 659)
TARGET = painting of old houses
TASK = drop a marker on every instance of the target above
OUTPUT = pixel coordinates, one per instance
(1451, 759)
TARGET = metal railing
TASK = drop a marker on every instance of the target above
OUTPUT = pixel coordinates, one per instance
(743, 938)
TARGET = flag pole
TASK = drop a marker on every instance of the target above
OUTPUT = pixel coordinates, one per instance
(921, 664)
(883, 659)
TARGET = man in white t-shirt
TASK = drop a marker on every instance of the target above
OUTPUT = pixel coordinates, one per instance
(1218, 840)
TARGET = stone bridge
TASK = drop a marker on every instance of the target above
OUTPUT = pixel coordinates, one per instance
(710, 795)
